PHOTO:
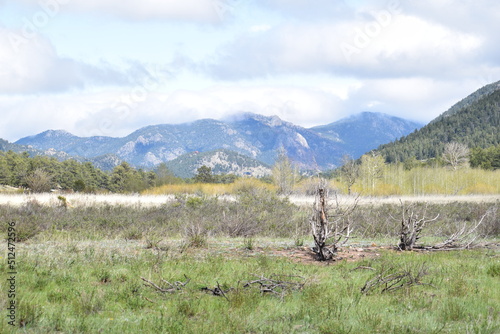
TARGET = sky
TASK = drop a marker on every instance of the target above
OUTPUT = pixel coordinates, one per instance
(109, 67)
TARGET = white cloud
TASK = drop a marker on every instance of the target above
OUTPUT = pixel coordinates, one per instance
(28, 115)
(30, 64)
(114, 114)
(303, 106)
(401, 46)
(307, 10)
(420, 99)
(204, 11)
(287, 60)
(260, 28)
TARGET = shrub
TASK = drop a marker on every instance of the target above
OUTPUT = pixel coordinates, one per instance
(494, 270)
(194, 202)
(39, 181)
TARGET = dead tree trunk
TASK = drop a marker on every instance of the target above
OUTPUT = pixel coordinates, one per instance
(328, 234)
(320, 228)
(411, 227)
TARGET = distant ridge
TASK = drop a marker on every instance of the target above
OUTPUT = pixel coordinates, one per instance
(469, 100)
(366, 131)
(252, 135)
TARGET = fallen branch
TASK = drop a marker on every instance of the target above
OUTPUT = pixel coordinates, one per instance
(171, 287)
(217, 291)
(462, 239)
(363, 267)
(395, 281)
(275, 285)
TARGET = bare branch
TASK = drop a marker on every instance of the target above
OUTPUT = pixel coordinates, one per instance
(411, 227)
(363, 267)
(394, 281)
(217, 291)
(276, 284)
(177, 286)
(462, 238)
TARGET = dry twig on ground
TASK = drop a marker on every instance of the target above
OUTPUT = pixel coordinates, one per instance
(276, 284)
(177, 286)
(217, 291)
(396, 280)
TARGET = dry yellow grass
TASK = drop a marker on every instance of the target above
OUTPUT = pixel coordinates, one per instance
(212, 189)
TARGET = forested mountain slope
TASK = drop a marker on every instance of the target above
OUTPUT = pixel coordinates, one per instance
(471, 99)
(476, 124)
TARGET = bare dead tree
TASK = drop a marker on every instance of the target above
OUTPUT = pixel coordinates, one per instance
(411, 227)
(463, 238)
(349, 172)
(320, 227)
(455, 154)
(330, 231)
(39, 181)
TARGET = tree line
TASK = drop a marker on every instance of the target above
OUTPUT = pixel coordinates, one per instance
(457, 170)
(42, 173)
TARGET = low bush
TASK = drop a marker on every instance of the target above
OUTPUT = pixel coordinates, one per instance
(254, 212)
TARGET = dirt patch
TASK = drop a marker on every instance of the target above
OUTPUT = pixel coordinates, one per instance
(306, 255)
(350, 254)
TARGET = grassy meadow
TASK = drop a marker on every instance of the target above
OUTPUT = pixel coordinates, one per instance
(108, 268)
(96, 287)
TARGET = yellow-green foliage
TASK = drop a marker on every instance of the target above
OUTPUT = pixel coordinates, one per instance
(395, 180)
(212, 189)
(248, 184)
(390, 181)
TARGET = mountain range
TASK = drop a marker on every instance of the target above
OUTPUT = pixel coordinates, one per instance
(247, 143)
(251, 135)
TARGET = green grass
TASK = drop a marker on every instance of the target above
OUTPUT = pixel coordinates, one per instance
(96, 287)
(79, 270)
